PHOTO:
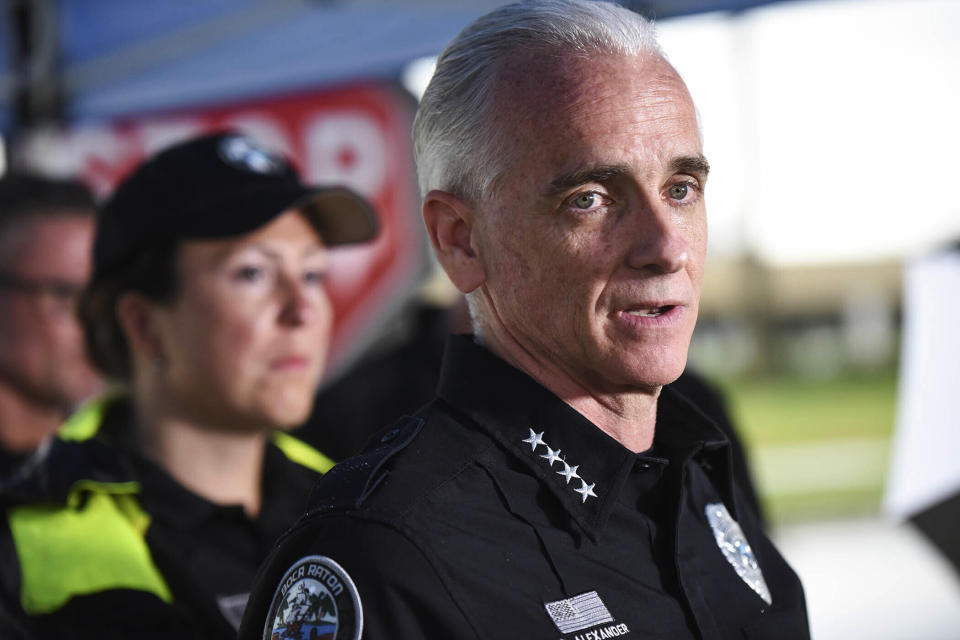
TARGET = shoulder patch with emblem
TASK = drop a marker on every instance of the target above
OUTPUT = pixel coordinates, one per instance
(316, 599)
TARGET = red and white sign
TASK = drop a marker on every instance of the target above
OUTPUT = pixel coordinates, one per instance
(356, 136)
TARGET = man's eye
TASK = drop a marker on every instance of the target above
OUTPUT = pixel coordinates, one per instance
(679, 191)
(683, 192)
(586, 200)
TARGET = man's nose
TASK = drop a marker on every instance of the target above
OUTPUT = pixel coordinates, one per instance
(659, 243)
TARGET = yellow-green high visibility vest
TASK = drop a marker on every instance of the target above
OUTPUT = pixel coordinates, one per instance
(97, 540)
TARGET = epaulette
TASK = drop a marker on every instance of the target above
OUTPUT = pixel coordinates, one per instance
(349, 483)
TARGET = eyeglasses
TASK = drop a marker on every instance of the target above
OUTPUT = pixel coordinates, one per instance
(61, 294)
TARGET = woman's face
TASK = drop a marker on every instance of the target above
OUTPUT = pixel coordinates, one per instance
(244, 341)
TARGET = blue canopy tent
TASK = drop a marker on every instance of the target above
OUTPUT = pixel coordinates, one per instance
(74, 60)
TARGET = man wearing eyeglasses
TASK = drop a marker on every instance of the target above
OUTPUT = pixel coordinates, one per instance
(46, 235)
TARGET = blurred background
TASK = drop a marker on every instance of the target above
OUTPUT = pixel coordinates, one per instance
(828, 316)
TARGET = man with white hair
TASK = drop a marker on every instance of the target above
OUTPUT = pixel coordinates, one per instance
(556, 487)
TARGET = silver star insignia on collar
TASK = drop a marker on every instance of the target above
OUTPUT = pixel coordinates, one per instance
(586, 490)
(569, 472)
(552, 456)
(535, 440)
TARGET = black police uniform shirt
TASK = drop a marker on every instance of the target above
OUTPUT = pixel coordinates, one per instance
(404, 377)
(498, 511)
(207, 554)
(10, 462)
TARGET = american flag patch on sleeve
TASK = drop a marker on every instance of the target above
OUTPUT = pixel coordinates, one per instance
(578, 612)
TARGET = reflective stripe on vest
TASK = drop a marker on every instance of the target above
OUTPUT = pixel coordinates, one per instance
(85, 422)
(93, 544)
(97, 541)
(300, 452)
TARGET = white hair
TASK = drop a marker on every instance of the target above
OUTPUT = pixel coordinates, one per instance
(456, 148)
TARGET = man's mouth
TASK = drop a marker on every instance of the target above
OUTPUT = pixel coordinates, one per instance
(653, 312)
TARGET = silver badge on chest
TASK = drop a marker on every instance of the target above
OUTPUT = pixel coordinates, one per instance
(736, 549)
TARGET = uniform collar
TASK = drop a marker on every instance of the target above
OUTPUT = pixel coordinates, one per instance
(578, 462)
(285, 484)
(285, 489)
(108, 456)
(684, 432)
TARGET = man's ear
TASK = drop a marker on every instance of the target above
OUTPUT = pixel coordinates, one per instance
(136, 316)
(450, 225)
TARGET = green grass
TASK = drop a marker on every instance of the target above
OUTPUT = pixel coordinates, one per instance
(788, 410)
(775, 413)
(787, 509)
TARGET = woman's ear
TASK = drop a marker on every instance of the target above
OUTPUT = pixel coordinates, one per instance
(137, 317)
(450, 225)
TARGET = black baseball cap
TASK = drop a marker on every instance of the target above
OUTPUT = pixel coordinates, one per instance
(217, 186)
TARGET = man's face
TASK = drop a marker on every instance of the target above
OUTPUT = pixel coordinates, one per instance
(593, 247)
(46, 261)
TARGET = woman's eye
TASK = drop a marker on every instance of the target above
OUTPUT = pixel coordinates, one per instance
(249, 273)
(314, 277)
